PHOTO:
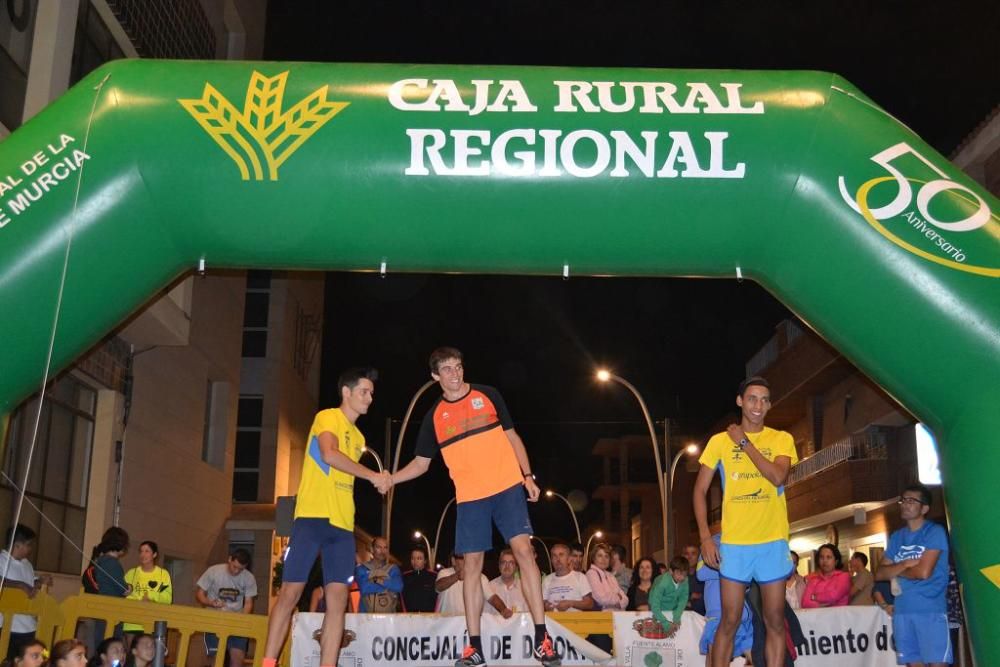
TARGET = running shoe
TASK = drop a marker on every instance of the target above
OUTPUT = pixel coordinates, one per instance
(471, 658)
(545, 654)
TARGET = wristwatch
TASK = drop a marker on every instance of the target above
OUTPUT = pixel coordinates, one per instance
(743, 443)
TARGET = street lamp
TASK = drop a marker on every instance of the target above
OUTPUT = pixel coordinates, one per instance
(576, 524)
(399, 447)
(691, 450)
(437, 535)
(545, 548)
(604, 375)
(369, 450)
(586, 551)
(417, 535)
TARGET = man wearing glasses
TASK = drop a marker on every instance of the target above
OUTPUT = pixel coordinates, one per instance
(507, 597)
(474, 432)
(917, 559)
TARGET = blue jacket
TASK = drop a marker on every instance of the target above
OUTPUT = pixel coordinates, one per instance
(393, 584)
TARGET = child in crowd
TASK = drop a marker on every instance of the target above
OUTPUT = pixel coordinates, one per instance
(111, 653)
(68, 653)
(105, 575)
(143, 651)
(670, 592)
(31, 653)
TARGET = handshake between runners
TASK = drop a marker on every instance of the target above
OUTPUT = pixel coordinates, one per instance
(382, 481)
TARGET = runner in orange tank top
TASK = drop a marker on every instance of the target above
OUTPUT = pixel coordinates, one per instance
(472, 429)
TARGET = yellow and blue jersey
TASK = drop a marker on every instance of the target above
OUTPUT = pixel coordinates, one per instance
(753, 509)
(324, 491)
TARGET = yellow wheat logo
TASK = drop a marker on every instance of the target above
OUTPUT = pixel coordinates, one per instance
(261, 135)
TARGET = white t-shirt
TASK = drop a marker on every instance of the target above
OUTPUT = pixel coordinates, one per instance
(20, 571)
(573, 586)
(450, 601)
(512, 597)
(219, 584)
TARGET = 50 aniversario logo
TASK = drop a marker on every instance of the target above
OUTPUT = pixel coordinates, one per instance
(937, 219)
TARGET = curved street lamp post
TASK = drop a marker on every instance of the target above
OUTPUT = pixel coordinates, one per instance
(576, 524)
(691, 450)
(417, 535)
(586, 551)
(606, 376)
(399, 446)
(437, 535)
(545, 548)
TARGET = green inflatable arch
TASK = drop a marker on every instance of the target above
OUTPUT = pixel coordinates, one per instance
(793, 179)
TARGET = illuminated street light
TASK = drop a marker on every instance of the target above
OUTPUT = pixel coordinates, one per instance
(437, 535)
(576, 524)
(586, 551)
(605, 376)
(417, 535)
(369, 450)
(690, 450)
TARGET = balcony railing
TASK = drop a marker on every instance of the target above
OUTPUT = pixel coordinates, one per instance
(166, 28)
(788, 332)
(868, 445)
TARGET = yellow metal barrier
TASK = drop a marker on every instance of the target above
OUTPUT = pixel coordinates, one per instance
(584, 623)
(43, 607)
(186, 621)
(59, 621)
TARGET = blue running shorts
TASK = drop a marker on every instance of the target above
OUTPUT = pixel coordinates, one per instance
(318, 537)
(763, 563)
(507, 509)
(922, 637)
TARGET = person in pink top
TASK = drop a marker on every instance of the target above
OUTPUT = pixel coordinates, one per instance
(604, 587)
(829, 585)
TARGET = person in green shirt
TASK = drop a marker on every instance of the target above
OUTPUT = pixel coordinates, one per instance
(670, 592)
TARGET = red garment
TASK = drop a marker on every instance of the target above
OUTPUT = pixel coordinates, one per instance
(790, 643)
(832, 590)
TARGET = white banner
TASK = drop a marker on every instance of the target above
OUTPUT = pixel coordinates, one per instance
(639, 641)
(846, 636)
(837, 637)
(430, 640)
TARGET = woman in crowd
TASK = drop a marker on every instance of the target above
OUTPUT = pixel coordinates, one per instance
(795, 586)
(149, 582)
(642, 582)
(110, 653)
(143, 651)
(28, 654)
(829, 585)
(604, 587)
(68, 653)
(607, 594)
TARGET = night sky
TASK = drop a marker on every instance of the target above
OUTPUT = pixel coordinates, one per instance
(683, 343)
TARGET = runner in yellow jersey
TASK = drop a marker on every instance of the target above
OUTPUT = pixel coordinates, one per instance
(753, 462)
(324, 515)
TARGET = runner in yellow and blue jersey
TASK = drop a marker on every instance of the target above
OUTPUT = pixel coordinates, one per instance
(753, 462)
(324, 515)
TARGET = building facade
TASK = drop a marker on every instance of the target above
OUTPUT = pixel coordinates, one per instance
(185, 424)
